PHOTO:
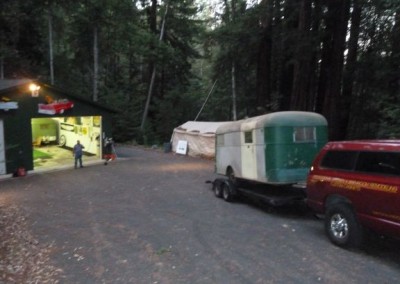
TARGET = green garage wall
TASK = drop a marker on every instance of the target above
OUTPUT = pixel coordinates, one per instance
(37, 127)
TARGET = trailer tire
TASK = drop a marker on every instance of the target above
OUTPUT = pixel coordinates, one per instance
(227, 191)
(217, 189)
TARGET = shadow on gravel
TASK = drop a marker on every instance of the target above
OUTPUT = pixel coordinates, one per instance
(382, 248)
(283, 201)
(296, 210)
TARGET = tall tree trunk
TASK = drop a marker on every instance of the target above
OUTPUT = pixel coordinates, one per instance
(51, 56)
(95, 65)
(350, 69)
(394, 76)
(233, 67)
(153, 75)
(227, 13)
(286, 51)
(234, 114)
(313, 100)
(360, 105)
(153, 16)
(263, 84)
(324, 65)
(303, 60)
(332, 62)
(1, 67)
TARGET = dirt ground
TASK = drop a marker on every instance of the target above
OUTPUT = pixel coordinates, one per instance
(149, 217)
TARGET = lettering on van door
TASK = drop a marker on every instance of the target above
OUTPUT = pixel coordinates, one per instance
(248, 151)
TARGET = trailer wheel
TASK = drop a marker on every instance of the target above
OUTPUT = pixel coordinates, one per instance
(227, 194)
(217, 189)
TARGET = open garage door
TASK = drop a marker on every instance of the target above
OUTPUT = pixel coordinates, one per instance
(53, 139)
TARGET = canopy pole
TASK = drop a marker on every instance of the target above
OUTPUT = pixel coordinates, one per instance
(212, 88)
(153, 74)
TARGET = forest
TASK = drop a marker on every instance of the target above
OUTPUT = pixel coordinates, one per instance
(161, 63)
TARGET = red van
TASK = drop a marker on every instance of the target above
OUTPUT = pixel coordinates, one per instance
(356, 184)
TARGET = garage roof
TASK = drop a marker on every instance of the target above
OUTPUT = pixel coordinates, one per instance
(9, 84)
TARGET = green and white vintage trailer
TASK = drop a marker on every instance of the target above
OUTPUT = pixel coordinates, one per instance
(276, 148)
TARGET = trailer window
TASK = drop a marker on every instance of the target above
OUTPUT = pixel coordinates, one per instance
(304, 134)
(248, 137)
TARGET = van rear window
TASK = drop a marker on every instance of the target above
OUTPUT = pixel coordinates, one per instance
(340, 160)
(387, 163)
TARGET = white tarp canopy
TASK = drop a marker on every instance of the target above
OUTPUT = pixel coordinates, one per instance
(200, 137)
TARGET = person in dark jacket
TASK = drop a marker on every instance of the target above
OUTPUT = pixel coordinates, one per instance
(78, 149)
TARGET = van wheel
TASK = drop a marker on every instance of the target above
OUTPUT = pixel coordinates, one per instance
(226, 192)
(217, 189)
(342, 227)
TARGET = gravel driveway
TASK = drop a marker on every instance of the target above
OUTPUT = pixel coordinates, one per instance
(151, 218)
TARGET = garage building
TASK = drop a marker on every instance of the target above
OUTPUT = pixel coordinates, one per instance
(39, 125)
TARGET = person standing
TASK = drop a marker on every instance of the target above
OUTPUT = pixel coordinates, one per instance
(78, 149)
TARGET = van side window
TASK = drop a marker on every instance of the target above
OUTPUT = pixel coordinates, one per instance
(340, 160)
(304, 134)
(248, 137)
(387, 163)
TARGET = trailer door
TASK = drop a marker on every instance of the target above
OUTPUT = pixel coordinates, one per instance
(249, 158)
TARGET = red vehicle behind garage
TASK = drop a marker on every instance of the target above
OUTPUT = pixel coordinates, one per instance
(356, 184)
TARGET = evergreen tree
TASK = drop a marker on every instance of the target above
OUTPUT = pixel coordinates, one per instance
(339, 58)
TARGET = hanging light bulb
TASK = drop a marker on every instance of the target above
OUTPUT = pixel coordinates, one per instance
(34, 90)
